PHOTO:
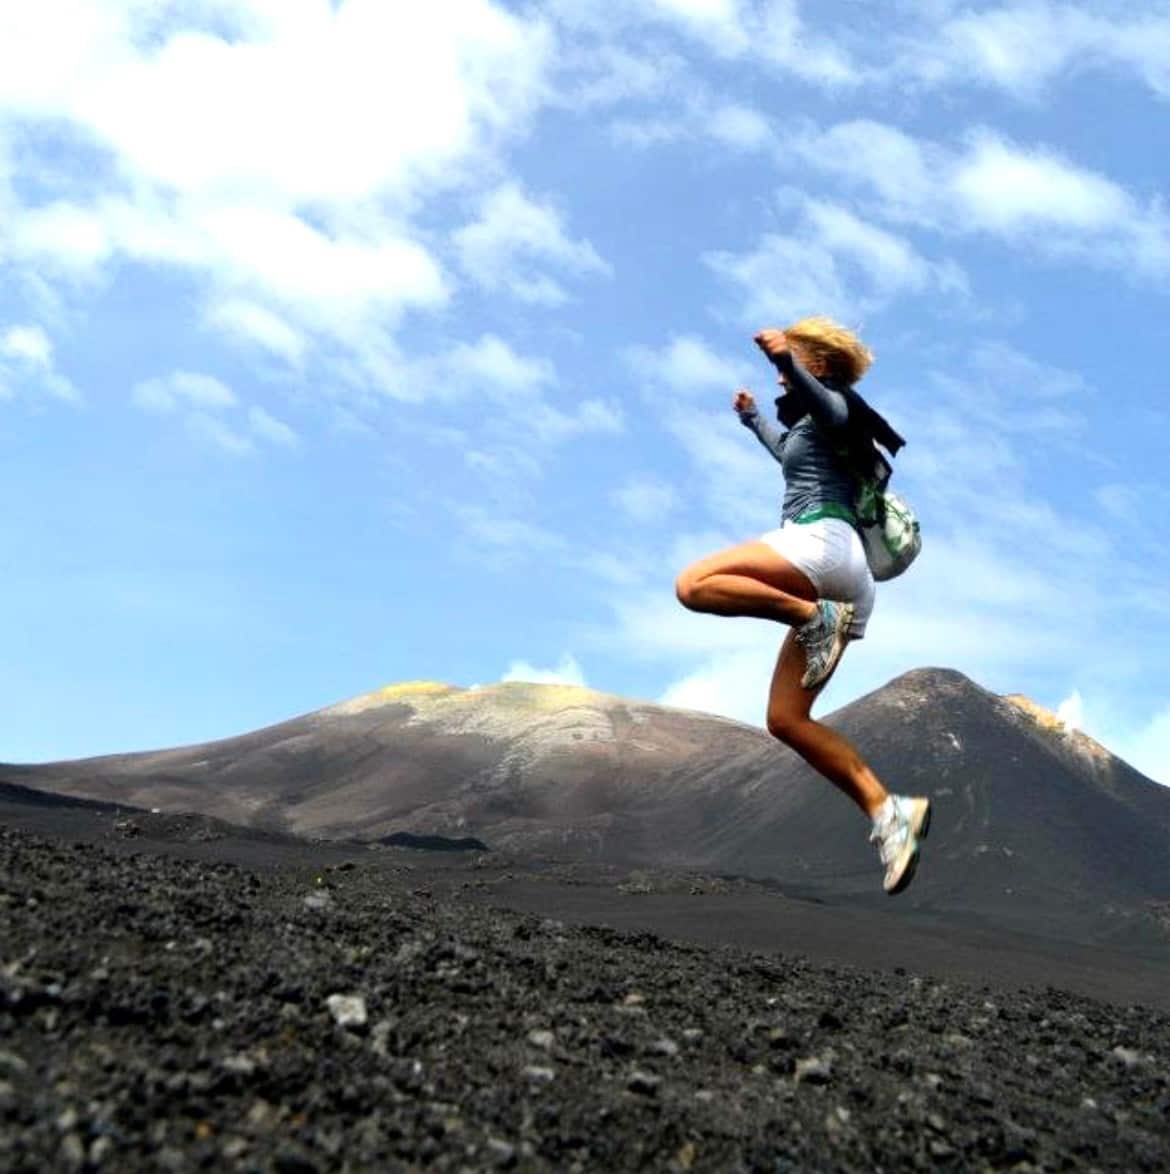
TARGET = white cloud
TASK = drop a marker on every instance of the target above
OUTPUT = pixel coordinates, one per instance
(688, 365)
(27, 344)
(1029, 196)
(1004, 366)
(782, 38)
(734, 477)
(566, 672)
(552, 425)
(289, 188)
(740, 127)
(271, 429)
(768, 34)
(698, 115)
(491, 363)
(214, 431)
(512, 237)
(398, 95)
(734, 685)
(27, 364)
(719, 22)
(645, 499)
(1071, 711)
(1006, 189)
(255, 324)
(833, 263)
(204, 403)
(511, 536)
(183, 388)
(1022, 47)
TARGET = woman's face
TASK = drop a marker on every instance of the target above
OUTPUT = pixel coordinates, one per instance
(812, 366)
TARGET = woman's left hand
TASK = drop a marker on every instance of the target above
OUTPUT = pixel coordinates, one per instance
(772, 343)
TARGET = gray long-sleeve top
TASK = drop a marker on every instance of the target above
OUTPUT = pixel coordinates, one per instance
(814, 475)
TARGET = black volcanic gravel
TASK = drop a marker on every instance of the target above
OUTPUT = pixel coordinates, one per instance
(158, 1013)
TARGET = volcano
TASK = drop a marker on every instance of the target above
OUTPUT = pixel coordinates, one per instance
(1035, 827)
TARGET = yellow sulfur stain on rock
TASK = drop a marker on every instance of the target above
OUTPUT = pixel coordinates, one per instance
(546, 697)
(403, 691)
(1047, 720)
(1044, 718)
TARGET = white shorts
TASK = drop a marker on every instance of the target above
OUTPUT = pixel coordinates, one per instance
(830, 553)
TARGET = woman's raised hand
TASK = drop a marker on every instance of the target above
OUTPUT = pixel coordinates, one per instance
(744, 400)
(772, 343)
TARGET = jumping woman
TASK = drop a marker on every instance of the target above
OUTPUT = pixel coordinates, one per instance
(811, 573)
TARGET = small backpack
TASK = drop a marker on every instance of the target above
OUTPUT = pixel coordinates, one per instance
(886, 522)
(888, 527)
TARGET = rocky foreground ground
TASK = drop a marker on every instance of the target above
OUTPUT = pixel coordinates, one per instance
(160, 1013)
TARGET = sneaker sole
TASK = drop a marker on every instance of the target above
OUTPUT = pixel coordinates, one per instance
(840, 639)
(919, 826)
(906, 876)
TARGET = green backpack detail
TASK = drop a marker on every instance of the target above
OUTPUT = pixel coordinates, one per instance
(888, 527)
(886, 521)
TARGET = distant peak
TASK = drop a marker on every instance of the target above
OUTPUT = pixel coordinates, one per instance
(931, 675)
(1046, 720)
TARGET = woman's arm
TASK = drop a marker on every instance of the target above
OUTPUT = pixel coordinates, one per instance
(765, 431)
(828, 407)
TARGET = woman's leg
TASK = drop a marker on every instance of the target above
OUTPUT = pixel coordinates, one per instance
(748, 580)
(830, 753)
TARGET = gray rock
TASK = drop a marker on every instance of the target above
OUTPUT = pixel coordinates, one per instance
(813, 1070)
(347, 1010)
(645, 1083)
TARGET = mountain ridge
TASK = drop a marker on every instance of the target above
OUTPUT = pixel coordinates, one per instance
(1023, 812)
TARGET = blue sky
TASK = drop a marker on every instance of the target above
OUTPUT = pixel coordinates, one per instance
(348, 343)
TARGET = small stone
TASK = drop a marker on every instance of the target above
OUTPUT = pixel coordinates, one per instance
(633, 999)
(539, 1075)
(67, 1120)
(814, 1070)
(347, 1010)
(685, 1158)
(663, 1047)
(99, 1150)
(72, 1152)
(705, 1095)
(239, 1065)
(318, 902)
(541, 1039)
(645, 1083)
(502, 1153)
(1127, 1056)
(692, 1035)
(1088, 1103)
(380, 1037)
(260, 1115)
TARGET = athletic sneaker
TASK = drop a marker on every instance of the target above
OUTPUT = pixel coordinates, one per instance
(823, 639)
(901, 823)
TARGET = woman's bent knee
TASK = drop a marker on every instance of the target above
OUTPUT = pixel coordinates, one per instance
(784, 726)
(686, 589)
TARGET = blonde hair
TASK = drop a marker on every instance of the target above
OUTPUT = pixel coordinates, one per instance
(842, 354)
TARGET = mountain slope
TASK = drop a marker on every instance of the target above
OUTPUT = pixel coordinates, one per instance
(1031, 823)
